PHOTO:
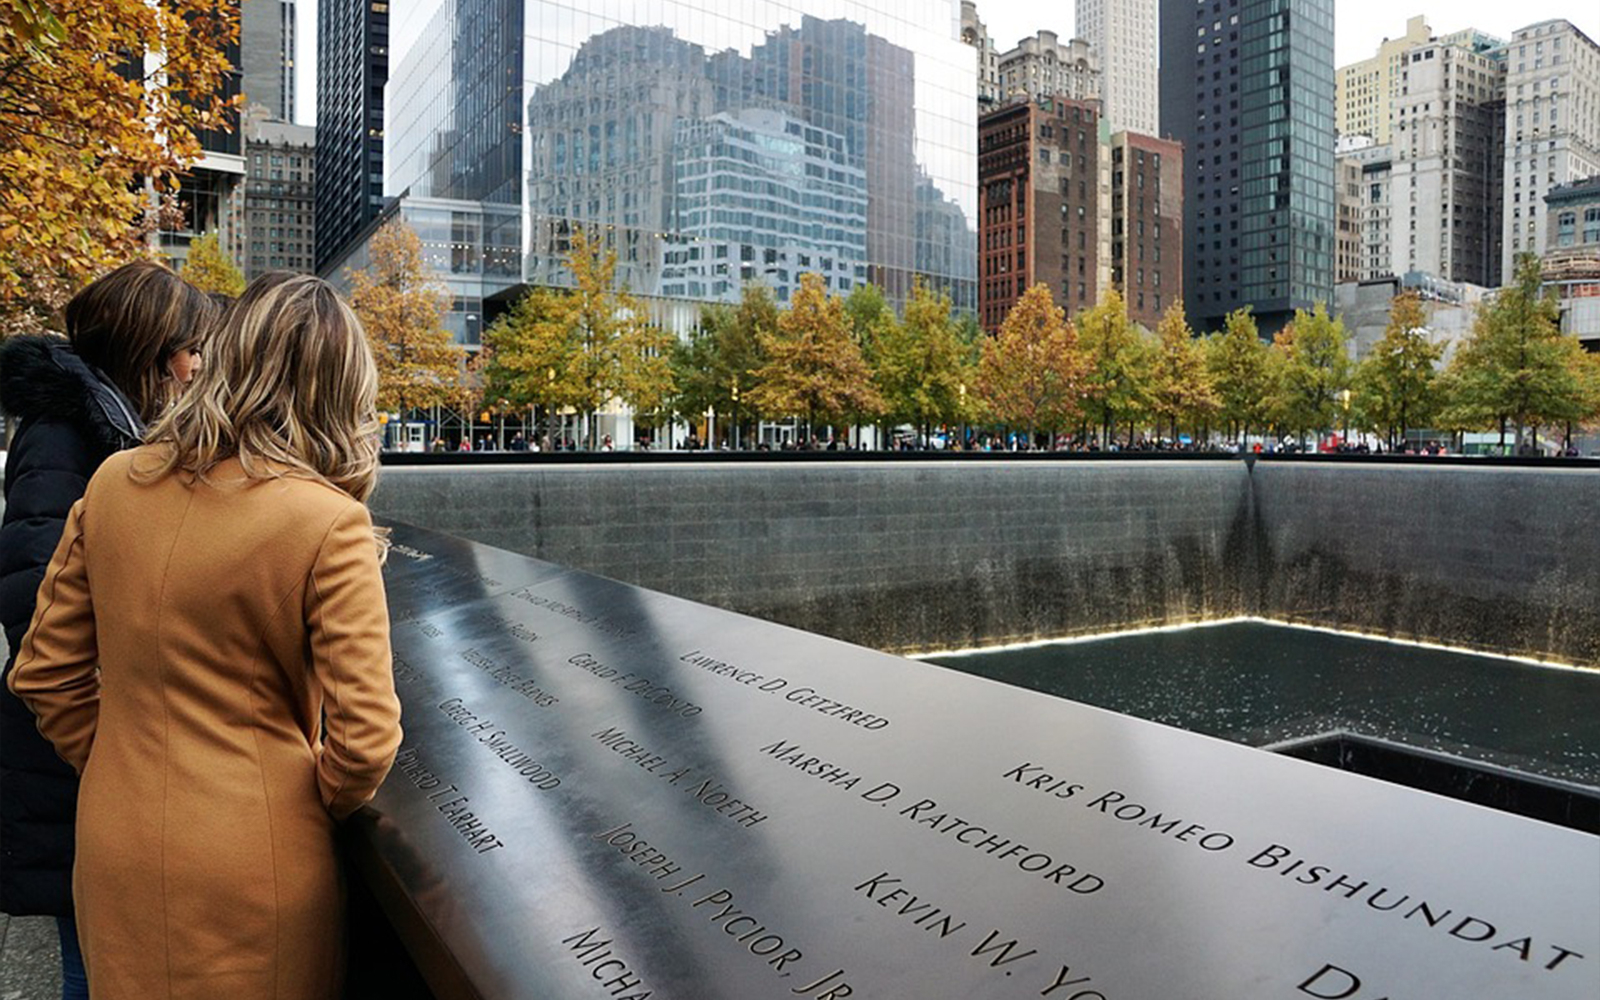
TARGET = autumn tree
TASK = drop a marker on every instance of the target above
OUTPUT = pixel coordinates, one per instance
(1238, 362)
(814, 368)
(1118, 381)
(740, 353)
(403, 312)
(1396, 384)
(100, 103)
(1586, 370)
(1516, 367)
(210, 268)
(873, 324)
(919, 370)
(1315, 369)
(471, 391)
(1180, 388)
(1032, 373)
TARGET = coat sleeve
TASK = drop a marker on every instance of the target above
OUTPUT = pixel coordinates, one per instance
(49, 464)
(57, 670)
(348, 620)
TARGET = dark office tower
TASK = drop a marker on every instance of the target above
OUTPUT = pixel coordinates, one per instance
(352, 67)
(1247, 86)
(266, 37)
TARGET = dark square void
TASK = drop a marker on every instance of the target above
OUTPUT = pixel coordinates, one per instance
(1505, 733)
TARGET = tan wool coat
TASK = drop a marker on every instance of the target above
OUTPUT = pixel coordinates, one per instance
(214, 660)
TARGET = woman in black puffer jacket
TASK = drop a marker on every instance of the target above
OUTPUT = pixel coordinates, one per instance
(133, 339)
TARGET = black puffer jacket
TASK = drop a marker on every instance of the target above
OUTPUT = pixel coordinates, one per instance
(71, 419)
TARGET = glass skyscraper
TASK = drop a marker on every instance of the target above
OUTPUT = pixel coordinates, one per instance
(1248, 87)
(709, 142)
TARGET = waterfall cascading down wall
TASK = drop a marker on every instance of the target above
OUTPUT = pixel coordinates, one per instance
(918, 556)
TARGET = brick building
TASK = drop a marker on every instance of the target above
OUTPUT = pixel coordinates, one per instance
(1147, 224)
(1038, 205)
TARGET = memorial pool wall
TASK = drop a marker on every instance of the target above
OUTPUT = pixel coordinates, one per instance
(912, 556)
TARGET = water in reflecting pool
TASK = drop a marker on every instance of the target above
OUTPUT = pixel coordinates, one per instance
(1260, 683)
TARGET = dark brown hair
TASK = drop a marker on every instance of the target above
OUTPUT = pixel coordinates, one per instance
(289, 388)
(131, 322)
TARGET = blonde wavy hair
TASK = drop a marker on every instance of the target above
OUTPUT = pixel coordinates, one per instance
(289, 388)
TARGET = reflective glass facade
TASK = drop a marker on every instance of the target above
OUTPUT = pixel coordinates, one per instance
(712, 142)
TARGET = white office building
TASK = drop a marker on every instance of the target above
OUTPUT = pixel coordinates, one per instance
(1122, 34)
(1552, 128)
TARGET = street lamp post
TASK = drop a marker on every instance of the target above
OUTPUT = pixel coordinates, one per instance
(550, 404)
(1344, 401)
(961, 411)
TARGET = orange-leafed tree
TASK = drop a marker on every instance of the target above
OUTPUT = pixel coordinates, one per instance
(1032, 374)
(403, 310)
(814, 368)
(100, 103)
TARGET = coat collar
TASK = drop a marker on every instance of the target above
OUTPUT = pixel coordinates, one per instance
(42, 377)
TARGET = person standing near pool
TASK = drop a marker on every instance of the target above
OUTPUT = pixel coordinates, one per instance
(211, 653)
(133, 342)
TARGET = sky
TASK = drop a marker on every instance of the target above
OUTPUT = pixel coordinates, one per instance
(1359, 25)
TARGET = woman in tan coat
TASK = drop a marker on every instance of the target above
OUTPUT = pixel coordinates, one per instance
(210, 651)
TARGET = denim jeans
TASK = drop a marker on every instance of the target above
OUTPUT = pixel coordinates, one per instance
(74, 984)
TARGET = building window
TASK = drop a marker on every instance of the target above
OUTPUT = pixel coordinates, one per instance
(1566, 228)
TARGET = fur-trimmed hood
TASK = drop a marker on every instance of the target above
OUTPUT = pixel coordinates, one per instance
(42, 377)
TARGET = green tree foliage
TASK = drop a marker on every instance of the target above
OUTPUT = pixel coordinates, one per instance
(1313, 371)
(1237, 360)
(403, 312)
(1032, 374)
(1121, 366)
(814, 368)
(695, 363)
(715, 366)
(532, 351)
(1516, 367)
(211, 269)
(1181, 388)
(919, 369)
(619, 354)
(1396, 385)
(740, 354)
(870, 316)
